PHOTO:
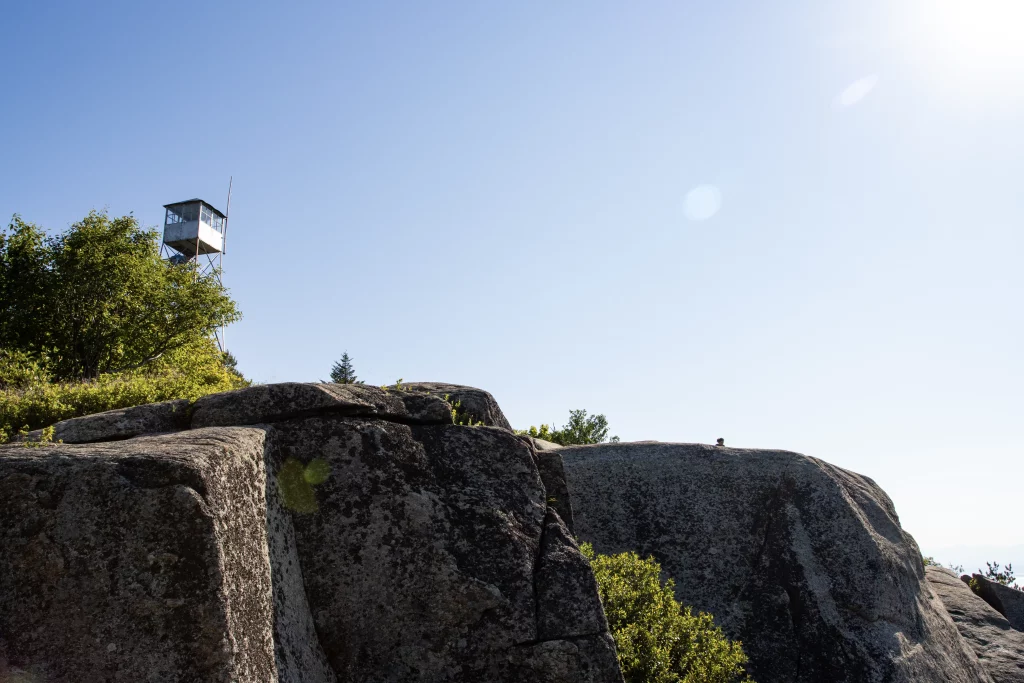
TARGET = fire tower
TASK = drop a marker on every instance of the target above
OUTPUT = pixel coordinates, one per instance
(195, 230)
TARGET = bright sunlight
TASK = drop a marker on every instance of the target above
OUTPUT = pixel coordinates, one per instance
(971, 47)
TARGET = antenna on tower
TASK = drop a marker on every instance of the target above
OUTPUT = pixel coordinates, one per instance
(227, 212)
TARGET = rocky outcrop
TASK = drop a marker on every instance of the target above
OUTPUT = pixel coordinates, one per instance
(477, 404)
(123, 423)
(139, 560)
(276, 402)
(806, 563)
(1007, 601)
(341, 533)
(999, 647)
(552, 473)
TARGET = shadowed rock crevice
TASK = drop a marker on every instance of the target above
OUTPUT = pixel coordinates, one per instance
(568, 604)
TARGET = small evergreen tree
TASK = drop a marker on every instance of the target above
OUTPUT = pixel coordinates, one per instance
(342, 372)
(997, 574)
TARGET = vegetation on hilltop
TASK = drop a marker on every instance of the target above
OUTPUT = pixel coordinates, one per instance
(93, 319)
(580, 430)
(342, 372)
(98, 299)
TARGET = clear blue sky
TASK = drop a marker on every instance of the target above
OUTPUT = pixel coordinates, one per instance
(793, 225)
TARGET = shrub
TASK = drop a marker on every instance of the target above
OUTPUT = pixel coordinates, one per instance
(19, 370)
(29, 401)
(98, 298)
(658, 640)
(580, 430)
(1002, 576)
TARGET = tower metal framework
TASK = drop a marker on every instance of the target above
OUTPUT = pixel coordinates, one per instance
(196, 231)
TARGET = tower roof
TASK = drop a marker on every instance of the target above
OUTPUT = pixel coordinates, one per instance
(193, 201)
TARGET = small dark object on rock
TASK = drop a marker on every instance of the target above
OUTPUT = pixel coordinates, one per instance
(721, 442)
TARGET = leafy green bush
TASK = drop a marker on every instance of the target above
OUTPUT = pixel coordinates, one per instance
(28, 400)
(19, 370)
(98, 298)
(658, 640)
(580, 430)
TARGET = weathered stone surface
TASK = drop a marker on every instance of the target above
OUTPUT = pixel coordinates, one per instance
(552, 473)
(139, 560)
(347, 534)
(275, 402)
(590, 659)
(123, 423)
(477, 403)
(1007, 601)
(298, 656)
(542, 445)
(421, 556)
(805, 562)
(999, 648)
(567, 600)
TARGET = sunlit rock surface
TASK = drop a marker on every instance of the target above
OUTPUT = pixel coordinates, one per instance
(999, 647)
(804, 562)
(345, 534)
(138, 560)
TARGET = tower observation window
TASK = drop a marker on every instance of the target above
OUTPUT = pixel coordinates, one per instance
(212, 219)
(185, 213)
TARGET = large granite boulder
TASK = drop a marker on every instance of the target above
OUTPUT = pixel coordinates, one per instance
(139, 560)
(345, 534)
(276, 402)
(1007, 601)
(123, 423)
(999, 647)
(427, 544)
(477, 404)
(806, 563)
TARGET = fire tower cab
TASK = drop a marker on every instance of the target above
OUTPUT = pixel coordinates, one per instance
(194, 227)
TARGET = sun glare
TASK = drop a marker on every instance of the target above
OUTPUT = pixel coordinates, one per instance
(983, 29)
(970, 45)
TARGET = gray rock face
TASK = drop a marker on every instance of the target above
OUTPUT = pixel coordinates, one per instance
(999, 647)
(124, 423)
(567, 600)
(353, 535)
(1007, 601)
(277, 402)
(477, 403)
(421, 558)
(806, 563)
(140, 560)
(552, 473)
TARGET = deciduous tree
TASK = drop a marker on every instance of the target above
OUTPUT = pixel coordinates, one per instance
(98, 298)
